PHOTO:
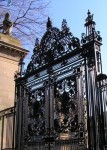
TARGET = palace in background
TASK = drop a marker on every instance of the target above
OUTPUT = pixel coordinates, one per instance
(60, 101)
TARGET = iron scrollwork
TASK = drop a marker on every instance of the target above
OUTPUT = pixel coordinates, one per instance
(65, 116)
(54, 41)
(36, 110)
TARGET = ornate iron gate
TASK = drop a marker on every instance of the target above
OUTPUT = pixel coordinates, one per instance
(57, 103)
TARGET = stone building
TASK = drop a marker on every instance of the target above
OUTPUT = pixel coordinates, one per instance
(11, 52)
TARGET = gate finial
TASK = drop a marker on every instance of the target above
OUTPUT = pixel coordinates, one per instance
(49, 23)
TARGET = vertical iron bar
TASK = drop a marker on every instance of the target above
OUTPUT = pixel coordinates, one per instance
(102, 117)
(49, 107)
(13, 129)
(19, 123)
(93, 100)
(101, 120)
(13, 146)
(2, 132)
(88, 122)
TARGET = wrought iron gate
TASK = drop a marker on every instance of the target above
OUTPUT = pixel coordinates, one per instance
(57, 103)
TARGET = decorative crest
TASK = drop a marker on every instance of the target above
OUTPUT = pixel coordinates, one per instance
(91, 33)
(49, 24)
(36, 46)
(64, 24)
(90, 17)
(36, 42)
(54, 44)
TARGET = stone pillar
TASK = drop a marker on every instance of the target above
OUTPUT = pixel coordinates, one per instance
(11, 52)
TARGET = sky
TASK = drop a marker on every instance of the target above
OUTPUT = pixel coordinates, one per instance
(75, 12)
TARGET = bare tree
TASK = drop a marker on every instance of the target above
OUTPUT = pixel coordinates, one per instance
(28, 17)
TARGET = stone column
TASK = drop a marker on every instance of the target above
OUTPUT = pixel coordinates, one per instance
(11, 52)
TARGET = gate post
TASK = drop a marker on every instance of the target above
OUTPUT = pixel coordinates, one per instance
(102, 95)
(80, 97)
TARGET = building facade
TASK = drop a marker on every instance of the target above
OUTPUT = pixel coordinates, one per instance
(11, 52)
(61, 99)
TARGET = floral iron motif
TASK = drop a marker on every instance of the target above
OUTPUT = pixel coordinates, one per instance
(66, 117)
(54, 42)
(36, 123)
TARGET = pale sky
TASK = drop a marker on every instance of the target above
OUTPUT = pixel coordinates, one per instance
(75, 12)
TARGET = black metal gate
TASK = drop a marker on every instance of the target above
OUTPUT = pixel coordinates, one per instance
(57, 104)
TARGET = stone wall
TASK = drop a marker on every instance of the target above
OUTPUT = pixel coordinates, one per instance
(11, 52)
